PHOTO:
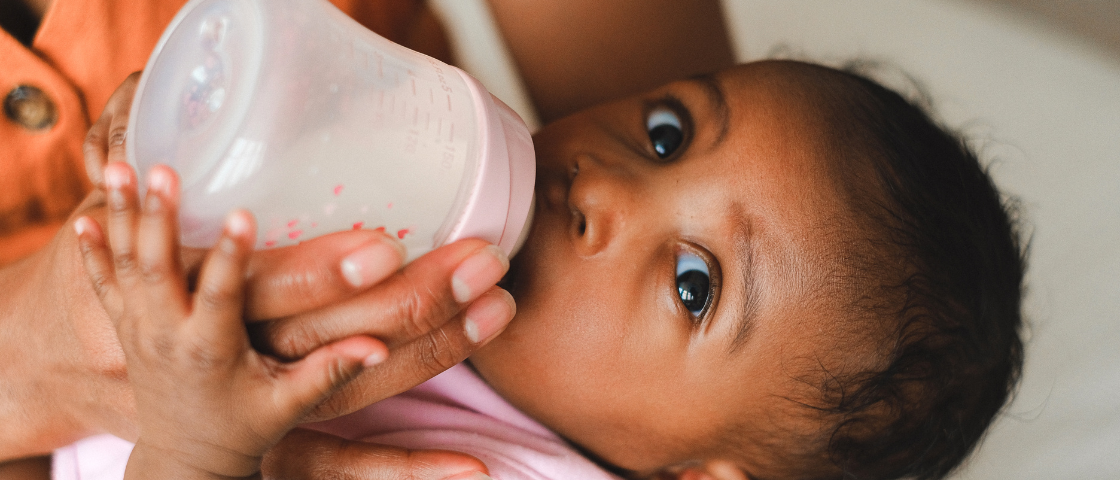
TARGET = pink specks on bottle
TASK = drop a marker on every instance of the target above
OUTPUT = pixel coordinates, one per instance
(293, 223)
(379, 229)
(389, 206)
(402, 232)
(359, 225)
(272, 235)
(294, 234)
(338, 189)
(314, 224)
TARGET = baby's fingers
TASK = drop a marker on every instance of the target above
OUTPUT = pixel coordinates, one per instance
(160, 275)
(99, 265)
(220, 298)
(120, 183)
(318, 375)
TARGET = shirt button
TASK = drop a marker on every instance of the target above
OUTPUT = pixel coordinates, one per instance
(30, 108)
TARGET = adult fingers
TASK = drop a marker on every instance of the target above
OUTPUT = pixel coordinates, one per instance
(105, 141)
(417, 361)
(311, 455)
(322, 271)
(309, 381)
(418, 300)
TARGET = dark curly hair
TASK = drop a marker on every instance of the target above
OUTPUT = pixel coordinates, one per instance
(945, 242)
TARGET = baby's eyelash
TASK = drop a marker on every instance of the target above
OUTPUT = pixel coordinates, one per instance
(697, 283)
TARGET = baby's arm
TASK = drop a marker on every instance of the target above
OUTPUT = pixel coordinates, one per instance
(208, 405)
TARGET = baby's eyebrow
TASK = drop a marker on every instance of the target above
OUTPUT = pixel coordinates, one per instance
(748, 307)
(711, 86)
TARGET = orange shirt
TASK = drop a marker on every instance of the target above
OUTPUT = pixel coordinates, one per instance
(83, 50)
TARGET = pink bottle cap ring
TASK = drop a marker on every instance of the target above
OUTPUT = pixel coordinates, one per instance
(499, 205)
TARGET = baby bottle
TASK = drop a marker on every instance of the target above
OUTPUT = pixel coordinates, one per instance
(296, 112)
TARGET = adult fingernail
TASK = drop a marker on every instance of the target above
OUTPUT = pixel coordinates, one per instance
(487, 316)
(373, 263)
(117, 138)
(374, 359)
(470, 476)
(478, 273)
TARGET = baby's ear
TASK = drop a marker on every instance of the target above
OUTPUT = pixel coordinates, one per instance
(713, 470)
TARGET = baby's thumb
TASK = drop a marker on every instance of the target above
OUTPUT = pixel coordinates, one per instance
(329, 367)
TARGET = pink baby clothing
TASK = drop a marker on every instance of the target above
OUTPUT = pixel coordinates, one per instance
(456, 410)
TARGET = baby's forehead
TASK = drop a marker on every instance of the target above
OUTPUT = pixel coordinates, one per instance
(823, 262)
(792, 76)
(824, 99)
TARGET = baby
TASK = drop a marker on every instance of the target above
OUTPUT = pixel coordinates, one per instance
(781, 270)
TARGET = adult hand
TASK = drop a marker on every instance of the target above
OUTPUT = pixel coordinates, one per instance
(62, 375)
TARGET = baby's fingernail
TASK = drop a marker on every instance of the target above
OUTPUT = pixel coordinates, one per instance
(373, 263)
(488, 316)
(116, 177)
(478, 273)
(237, 224)
(159, 180)
(82, 225)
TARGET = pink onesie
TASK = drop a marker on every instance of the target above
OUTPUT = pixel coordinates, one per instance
(456, 410)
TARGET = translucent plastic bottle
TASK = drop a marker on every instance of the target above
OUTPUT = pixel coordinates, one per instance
(296, 112)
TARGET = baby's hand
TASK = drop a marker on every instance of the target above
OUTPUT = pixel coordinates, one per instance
(208, 405)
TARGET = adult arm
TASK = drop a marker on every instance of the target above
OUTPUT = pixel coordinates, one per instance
(576, 53)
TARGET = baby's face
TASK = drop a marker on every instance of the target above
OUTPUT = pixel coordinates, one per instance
(667, 305)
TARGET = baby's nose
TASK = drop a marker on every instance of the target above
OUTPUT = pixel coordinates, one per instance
(601, 200)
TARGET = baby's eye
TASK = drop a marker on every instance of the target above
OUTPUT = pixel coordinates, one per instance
(665, 131)
(693, 283)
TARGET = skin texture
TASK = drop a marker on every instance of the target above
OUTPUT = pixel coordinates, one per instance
(602, 349)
